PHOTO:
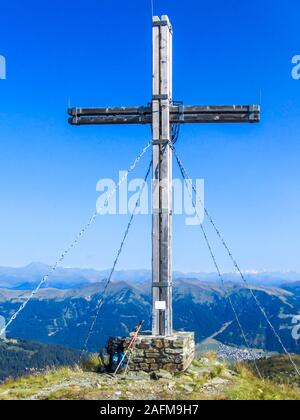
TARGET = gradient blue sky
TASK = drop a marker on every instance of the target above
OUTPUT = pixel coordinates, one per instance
(98, 53)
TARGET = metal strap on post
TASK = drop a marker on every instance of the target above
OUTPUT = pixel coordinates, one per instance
(160, 23)
(160, 97)
(181, 112)
(163, 284)
(162, 211)
(160, 141)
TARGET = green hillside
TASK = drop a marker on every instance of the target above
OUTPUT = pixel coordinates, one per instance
(19, 358)
(278, 368)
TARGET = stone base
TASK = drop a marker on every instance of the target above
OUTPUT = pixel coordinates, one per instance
(174, 353)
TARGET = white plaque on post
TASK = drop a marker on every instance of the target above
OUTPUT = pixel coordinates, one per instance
(160, 305)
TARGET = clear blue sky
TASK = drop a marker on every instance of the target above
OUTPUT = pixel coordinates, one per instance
(99, 53)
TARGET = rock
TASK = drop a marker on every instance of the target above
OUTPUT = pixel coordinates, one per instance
(137, 360)
(138, 353)
(178, 344)
(173, 351)
(154, 366)
(138, 376)
(150, 361)
(161, 374)
(219, 381)
(144, 367)
(200, 372)
(187, 388)
(143, 345)
(152, 353)
(158, 344)
(230, 374)
(170, 366)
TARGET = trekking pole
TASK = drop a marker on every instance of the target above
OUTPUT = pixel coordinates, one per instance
(130, 345)
(130, 353)
(128, 361)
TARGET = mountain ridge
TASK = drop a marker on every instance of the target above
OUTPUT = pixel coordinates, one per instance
(27, 277)
(63, 316)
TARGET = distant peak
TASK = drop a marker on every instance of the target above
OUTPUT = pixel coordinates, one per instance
(36, 266)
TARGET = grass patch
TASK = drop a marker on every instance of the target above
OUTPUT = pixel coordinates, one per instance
(69, 394)
(197, 383)
(278, 369)
(27, 386)
(211, 356)
(218, 371)
(248, 387)
(91, 364)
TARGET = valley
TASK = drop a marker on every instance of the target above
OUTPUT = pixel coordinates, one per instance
(63, 317)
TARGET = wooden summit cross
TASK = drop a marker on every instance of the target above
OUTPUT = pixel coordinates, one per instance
(162, 114)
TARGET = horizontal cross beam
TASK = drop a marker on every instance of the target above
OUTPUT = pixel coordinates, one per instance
(178, 114)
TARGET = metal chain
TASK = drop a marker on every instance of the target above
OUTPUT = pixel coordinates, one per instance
(101, 300)
(152, 7)
(76, 240)
(228, 297)
(185, 175)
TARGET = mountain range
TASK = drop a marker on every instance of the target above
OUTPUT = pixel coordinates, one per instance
(63, 316)
(27, 277)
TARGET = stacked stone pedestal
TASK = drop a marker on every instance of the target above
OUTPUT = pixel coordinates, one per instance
(174, 353)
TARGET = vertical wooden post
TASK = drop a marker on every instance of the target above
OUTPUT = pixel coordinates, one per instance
(162, 178)
(156, 172)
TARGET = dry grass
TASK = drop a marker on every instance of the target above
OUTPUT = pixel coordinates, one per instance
(91, 364)
(27, 386)
(248, 387)
(198, 383)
